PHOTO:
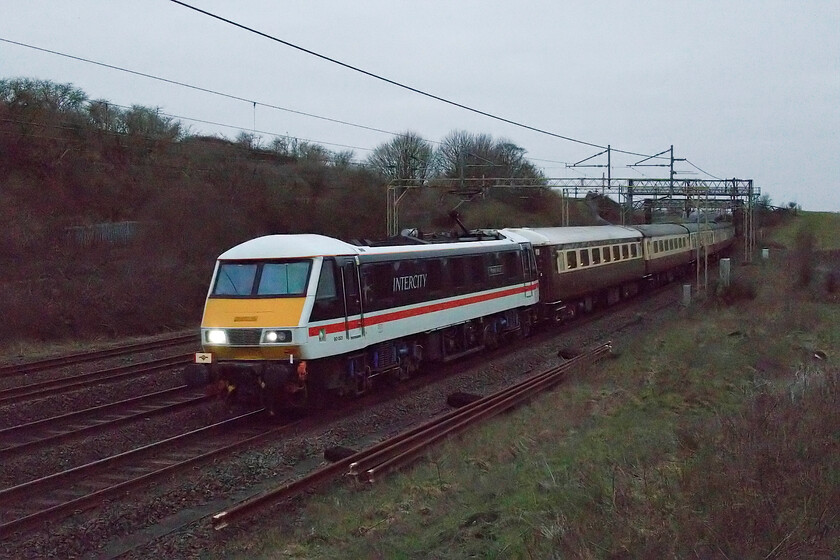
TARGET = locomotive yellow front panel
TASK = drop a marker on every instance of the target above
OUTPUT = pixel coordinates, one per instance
(252, 313)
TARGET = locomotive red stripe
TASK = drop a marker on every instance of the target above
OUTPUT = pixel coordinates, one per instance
(406, 313)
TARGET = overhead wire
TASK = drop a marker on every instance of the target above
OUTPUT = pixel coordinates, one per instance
(254, 130)
(255, 103)
(399, 84)
(198, 88)
(703, 171)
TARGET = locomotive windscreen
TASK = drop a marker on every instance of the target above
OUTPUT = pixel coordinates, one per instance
(266, 279)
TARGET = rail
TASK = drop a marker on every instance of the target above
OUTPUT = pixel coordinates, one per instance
(406, 447)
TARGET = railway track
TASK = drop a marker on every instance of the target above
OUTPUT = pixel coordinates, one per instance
(11, 370)
(406, 447)
(55, 386)
(56, 429)
(61, 494)
(17, 519)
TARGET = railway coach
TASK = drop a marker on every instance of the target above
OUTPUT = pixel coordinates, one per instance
(290, 317)
(583, 267)
(580, 266)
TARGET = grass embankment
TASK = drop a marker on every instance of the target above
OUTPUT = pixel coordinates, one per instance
(714, 436)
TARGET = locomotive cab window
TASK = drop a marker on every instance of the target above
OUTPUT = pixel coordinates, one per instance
(235, 279)
(283, 279)
(277, 279)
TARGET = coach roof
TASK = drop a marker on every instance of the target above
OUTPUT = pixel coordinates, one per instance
(576, 234)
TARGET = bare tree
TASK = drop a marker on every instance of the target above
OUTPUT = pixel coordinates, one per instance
(150, 123)
(467, 155)
(104, 116)
(406, 159)
(42, 94)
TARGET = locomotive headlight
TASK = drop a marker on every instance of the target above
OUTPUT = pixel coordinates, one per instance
(217, 336)
(277, 336)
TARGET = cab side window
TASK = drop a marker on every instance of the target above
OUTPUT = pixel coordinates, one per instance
(329, 302)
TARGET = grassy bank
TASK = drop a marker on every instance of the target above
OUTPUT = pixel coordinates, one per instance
(716, 435)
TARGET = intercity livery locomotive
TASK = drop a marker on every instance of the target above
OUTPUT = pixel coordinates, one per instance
(290, 319)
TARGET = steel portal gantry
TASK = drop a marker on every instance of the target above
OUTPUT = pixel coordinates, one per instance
(657, 194)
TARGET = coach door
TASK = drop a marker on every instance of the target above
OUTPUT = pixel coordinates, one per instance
(353, 312)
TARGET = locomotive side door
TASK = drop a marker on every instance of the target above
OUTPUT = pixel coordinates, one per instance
(354, 319)
(529, 267)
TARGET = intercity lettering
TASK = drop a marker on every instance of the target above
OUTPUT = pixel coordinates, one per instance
(411, 282)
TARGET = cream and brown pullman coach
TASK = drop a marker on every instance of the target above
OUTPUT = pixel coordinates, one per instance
(581, 267)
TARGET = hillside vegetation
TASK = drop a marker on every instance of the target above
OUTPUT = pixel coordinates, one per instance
(113, 216)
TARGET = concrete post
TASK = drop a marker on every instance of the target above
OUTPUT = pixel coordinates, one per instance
(686, 295)
(725, 272)
(765, 254)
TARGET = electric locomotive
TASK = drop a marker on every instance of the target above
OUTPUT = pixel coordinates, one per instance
(291, 318)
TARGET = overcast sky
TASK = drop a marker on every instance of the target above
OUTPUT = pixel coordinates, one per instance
(746, 89)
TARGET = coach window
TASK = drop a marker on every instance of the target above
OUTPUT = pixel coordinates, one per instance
(625, 251)
(596, 255)
(634, 250)
(584, 257)
(616, 251)
(607, 254)
(571, 259)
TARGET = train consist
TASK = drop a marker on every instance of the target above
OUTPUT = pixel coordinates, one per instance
(291, 318)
